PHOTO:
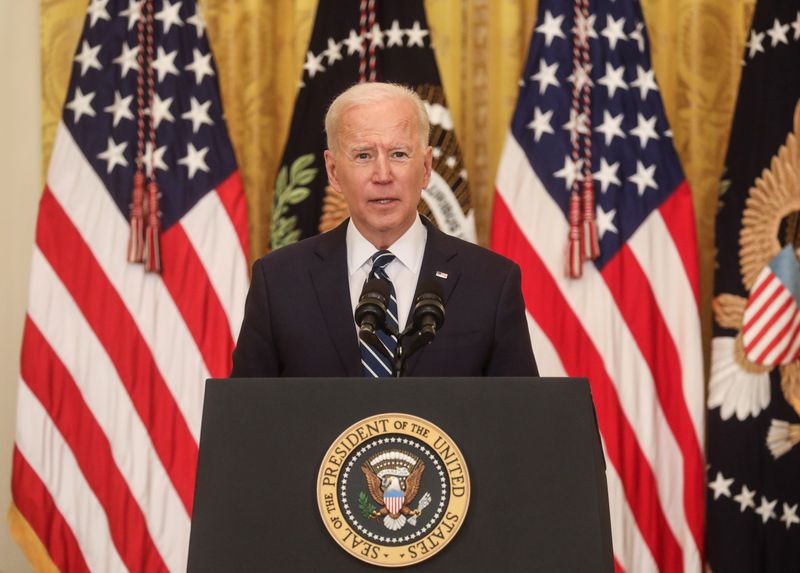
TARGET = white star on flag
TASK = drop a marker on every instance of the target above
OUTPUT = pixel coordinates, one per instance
(638, 36)
(375, 36)
(121, 108)
(168, 15)
(314, 64)
(721, 486)
(611, 126)
(789, 516)
(151, 158)
(201, 65)
(165, 63)
(607, 174)
(546, 76)
(645, 81)
(767, 509)
(354, 43)
(745, 498)
(645, 129)
(570, 172)
(394, 35)
(540, 124)
(127, 59)
(194, 160)
(198, 114)
(198, 22)
(114, 155)
(416, 35)
(755, 43)
(161, 110)
(88, 57)
(613, 31)
(81, 104)
(605, 222)
(133, 12)
(334, 51)
(584, 26)
(97, 11)
(583, 75)
(778, 33)
(613, 79)
(551, 28)
(643, 178)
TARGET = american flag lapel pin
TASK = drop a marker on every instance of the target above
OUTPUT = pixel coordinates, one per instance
(441, 275)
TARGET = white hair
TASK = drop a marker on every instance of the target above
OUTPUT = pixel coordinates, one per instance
(369, 93)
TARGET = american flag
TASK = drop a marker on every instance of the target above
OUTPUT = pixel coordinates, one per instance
(631, 322)
(114, 358)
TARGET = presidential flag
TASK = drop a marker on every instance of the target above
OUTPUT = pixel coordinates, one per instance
(753, 496)
(356, 41)
(138, 280)
(592, 203)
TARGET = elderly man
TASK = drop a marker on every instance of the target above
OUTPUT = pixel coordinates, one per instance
(299, 312)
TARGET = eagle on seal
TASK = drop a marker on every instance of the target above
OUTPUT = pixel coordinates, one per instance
(393, 479)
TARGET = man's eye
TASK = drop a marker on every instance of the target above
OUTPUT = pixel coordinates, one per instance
(363, 155)
(400, 154)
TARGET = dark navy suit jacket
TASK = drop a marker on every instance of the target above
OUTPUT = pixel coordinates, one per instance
(298, 317)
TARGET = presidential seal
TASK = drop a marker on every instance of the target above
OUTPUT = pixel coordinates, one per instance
(393, 490)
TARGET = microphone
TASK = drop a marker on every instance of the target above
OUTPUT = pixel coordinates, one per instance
(370, 312)
(428, 310)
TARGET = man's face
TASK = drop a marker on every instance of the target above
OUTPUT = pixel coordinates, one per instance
(380, 167)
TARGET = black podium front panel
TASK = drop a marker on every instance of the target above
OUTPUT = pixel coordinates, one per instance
(538, 499)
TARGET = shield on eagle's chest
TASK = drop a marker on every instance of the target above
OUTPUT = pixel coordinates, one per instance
(772, 317)
(394, 501)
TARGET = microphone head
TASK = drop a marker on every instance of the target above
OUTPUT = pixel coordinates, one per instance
(370, 311)
(428, 306)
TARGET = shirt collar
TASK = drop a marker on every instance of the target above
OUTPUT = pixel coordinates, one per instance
(408, 249)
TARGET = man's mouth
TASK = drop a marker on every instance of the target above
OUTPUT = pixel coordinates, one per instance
(385, 201)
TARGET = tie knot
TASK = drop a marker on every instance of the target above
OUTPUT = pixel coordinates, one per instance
(381, 259)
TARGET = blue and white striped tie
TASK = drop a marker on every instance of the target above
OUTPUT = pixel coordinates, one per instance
(374, 363)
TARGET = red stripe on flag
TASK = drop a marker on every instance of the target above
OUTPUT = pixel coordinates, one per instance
(37, 506)
(765, 307)
(790, 341)
(579, 356)
(233, 199)
(776, 338)
(55, 388)
(682, 230)
(641, 313)
(82, 276)
(760, 286)
(187, 282)
(765, 328)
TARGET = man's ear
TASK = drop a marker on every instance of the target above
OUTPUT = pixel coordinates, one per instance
(330, 167)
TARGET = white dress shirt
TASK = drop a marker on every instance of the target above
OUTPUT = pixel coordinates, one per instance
(403, 271)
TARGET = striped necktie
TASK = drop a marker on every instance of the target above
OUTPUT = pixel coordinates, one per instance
(374, 363)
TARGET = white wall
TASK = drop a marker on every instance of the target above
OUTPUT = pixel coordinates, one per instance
(20, 174)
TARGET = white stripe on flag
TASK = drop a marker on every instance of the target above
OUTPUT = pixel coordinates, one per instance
(43, 447)
(214, 238)
(82, 195)
(61, 323)
(672, 289)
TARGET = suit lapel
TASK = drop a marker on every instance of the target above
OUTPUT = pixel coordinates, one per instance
(438, 265)
(329, 277)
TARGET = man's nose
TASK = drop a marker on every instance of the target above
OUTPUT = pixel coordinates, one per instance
(383, 169)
